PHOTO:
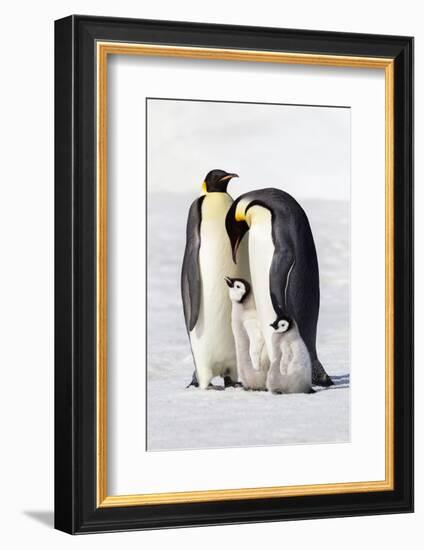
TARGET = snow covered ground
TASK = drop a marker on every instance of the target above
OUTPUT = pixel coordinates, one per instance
(180, 418)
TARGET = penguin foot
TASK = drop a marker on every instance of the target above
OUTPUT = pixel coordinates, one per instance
(319, 376)
(194, 382)
(230, 383)
(323, 380)
(311, 390)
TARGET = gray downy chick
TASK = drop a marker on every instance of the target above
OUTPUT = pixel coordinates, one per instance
(252, 356)
(291, 369)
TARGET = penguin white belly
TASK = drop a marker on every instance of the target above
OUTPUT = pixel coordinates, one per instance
(261, 251)
(212, 339)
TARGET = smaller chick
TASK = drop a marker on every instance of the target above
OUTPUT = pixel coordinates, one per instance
(291, 369)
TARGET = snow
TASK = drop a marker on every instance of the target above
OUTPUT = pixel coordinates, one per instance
(180, 418)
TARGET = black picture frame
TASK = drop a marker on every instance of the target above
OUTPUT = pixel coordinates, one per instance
(76, 510)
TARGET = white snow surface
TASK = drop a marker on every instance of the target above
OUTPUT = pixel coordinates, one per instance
(180, 418)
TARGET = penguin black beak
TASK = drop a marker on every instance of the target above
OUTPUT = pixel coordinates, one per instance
(228, 177)
(235, 230)
(229, 282)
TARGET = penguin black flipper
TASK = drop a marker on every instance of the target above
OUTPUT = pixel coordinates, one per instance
(281, 268)
(190, 276)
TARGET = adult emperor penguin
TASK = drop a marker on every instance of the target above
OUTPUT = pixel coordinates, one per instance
(207, 260)
(283, 265)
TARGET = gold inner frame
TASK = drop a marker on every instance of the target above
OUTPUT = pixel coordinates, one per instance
(104, 49)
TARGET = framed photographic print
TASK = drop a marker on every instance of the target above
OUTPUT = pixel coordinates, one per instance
(234, 274)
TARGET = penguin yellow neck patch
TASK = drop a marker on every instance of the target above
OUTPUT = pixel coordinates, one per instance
(204, 188)
(241, 211)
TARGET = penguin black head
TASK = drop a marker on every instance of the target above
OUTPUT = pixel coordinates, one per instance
(217, 181)
(281, 324)
(239, 289)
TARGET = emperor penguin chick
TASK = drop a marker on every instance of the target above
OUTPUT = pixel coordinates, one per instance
(291, 368)
(251, 353)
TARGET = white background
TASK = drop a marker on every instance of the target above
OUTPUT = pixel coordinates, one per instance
(265, 144)
(26, 290)
(131, 80)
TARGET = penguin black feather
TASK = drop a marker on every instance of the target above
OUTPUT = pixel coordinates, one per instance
(190, 276)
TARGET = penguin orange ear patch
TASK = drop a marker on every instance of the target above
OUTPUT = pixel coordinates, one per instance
(204, 188)
(240, 215)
